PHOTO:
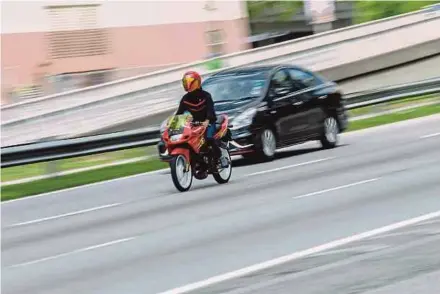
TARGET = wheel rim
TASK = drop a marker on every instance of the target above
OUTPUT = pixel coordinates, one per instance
(226, 172)
(331, 129)
(269, 143)
(183, 177)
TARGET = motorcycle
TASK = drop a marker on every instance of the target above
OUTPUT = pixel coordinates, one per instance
(189, 155)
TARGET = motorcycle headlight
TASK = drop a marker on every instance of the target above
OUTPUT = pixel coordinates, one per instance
(174, 138)
(244, 119)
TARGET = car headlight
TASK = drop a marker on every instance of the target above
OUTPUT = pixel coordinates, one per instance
(244, 119)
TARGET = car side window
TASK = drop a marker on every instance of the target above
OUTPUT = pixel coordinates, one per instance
(303, 79)
(281, 84)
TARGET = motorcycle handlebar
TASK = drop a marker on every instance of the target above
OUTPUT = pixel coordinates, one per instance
(197, 123)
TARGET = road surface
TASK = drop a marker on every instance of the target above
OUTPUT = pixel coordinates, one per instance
(361, 218)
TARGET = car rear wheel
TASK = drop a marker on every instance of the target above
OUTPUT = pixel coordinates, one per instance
(330, 134)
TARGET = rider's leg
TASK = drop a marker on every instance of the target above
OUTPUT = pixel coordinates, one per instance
(210, 132)
(215, 148)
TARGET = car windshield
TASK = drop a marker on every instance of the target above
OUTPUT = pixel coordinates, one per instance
(236, 86)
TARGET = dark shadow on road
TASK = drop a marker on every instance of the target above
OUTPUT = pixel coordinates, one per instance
(239, 162)
(280, 155)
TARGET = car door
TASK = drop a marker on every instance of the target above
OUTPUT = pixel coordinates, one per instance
(309, 97)
(280, 106)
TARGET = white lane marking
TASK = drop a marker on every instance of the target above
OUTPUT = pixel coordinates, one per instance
(289, 166)
(73, 252)
(430, 136)
(336, 188)
(299, 254)
(83, 186)
(63, 215)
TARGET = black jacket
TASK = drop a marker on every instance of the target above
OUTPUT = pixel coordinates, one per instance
(200, 104)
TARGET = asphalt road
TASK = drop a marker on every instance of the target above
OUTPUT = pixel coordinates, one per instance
(320, 209)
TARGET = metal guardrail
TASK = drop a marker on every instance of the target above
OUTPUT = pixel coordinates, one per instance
(391, 93)
(68, 148)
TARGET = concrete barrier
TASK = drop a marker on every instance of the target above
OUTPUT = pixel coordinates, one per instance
(383, 61)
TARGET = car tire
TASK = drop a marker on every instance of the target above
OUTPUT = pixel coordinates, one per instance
(330, 133)
(266, 145)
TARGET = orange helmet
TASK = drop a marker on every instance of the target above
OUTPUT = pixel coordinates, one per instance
(191, 81)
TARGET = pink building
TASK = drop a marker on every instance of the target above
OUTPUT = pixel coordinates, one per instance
(42, 39)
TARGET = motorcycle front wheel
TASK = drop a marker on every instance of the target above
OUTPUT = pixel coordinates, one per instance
(181, 173)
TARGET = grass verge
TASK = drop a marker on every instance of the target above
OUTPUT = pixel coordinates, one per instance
(394, 117)
(38, 169)
(412, 101)
(107, 173)
(83, 178)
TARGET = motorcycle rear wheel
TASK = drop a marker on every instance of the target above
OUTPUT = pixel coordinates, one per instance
(182, 179)
(223, 176)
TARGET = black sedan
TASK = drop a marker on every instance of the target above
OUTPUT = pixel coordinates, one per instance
(277, 106)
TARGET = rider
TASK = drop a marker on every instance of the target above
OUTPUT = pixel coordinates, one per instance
(199, 103)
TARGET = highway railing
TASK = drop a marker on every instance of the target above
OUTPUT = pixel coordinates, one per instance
(392, 93)
(76, 147)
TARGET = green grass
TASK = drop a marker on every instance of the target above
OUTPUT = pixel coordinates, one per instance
(393, 105)
(394, 117)
(83, 178)
(38, 169)
(68, 181)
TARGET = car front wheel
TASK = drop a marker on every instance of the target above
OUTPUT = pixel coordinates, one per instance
(266, 145)
(330, 133)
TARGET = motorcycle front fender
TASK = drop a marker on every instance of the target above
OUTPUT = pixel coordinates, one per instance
(181, 151)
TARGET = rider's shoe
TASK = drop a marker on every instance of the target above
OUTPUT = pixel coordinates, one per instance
(218, 164)
(224, 162)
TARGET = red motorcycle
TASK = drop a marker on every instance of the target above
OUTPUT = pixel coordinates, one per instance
(190, 156)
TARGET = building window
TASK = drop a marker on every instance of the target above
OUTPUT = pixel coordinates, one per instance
(215, 42)
(75, 32)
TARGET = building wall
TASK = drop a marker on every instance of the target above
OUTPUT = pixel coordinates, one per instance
(141, 34)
